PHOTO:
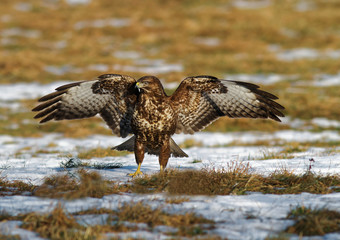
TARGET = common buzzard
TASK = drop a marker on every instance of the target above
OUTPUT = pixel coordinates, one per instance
(143, 109)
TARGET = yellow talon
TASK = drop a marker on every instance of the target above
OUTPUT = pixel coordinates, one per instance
(162, 169)
(138, 172)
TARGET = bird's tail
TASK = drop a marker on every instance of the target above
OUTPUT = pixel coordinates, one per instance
(129, 145)
(175, 150)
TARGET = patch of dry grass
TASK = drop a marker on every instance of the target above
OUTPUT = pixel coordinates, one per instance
(142, 213)
(57, 225)
(89, 184)
(313, 222)
(9, 237)
(14, 187)
(101, 153)
(205, 181)
(175, 32)
(280, 236)
(174, 27)
(191, 142)
(177, 200)
(237, 179)
(61, 225)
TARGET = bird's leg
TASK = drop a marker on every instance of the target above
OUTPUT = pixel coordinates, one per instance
(164, 155)
(138, 171)
(139, 155)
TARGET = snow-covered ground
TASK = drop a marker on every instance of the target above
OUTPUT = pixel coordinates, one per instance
(33, 169)
(252, 216)
(231, 213)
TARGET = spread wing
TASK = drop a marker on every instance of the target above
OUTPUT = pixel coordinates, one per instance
(113, 96)
(202, 99)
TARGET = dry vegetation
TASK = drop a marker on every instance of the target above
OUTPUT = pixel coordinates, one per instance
(236, 179)
(312, 222)
(174, 31)
(58, 224)
(63, 36)
(100, 153)
(84, 184)
(14, 187)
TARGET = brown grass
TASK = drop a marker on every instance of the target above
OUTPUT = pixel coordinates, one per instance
(206, 181)
(57, 225)
(61, 225)
(9, 237)
(237, 179)
(90, 184)
(14, 187)
(101, 153)
(177, 200)
(191, 142)
(169, 31)
(311, 222)
(142, 213)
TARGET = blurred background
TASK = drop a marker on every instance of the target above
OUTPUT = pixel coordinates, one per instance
(290, 48)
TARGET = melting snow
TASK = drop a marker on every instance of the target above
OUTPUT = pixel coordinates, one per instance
(327, 80)
(260, 78)
(326, 123)
(26, 90)
(157, 66)
(23, 7)
(247, 4)
(127, 54)
(77, 2)
(306, 53)
(100, 23)
(304, 6)
(231, 213)
(28, 168)
(18, 32)
(207, 41)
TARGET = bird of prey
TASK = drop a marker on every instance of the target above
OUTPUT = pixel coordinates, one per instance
(142, 108)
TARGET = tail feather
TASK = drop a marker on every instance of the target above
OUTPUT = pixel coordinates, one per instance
(175, 150)
(129, 145)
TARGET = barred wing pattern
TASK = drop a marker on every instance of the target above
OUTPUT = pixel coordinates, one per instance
(113, 96)
(200, 100)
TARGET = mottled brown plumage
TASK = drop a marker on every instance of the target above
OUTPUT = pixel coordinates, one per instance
(143, 109)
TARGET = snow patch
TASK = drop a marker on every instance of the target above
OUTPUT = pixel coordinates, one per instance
(19, 32)
(19, 91)
(207, 41)
(77, 2)
(260, 78)
(248, 4)
(305, 53)
(155, 66)
(327, 80)
(100, 23)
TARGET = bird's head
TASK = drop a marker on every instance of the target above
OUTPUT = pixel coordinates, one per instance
(149, 84)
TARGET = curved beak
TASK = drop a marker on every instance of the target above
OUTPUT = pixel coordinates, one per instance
(138, 86)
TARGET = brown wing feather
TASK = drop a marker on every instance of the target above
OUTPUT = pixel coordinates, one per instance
(113, 96)
(202, 99)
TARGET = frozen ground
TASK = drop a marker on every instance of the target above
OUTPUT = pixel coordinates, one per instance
(231, 213)
(253, 216)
